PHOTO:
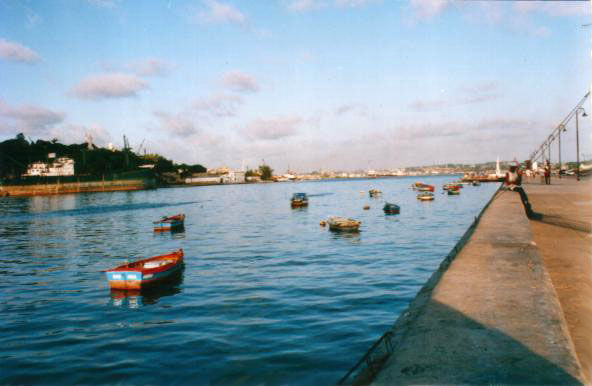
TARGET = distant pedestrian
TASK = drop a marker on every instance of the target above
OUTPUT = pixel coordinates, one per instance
(547, 173)
(513, 181)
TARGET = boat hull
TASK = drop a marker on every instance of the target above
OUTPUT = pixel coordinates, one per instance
(135, 276)
(298, 204)
(165, 227)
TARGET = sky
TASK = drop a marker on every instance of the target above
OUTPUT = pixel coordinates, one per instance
(299, 84)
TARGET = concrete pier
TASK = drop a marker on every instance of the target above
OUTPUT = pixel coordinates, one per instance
(563, 234)
(493, 315)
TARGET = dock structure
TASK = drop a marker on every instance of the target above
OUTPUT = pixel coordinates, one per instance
(494, 312)
(563, 233)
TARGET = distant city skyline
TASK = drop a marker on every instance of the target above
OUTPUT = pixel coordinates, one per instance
(305, 84)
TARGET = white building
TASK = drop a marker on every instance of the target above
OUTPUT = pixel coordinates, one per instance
(62, 166)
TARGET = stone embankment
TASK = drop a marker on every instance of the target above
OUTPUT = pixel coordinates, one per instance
(76, 187)
(494, 312)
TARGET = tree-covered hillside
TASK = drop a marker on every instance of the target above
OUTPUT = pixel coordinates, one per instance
(16, 154)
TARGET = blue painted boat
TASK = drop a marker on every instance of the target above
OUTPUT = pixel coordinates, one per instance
(170, 223)
(299, 200)
(391, 208)
(143, 273)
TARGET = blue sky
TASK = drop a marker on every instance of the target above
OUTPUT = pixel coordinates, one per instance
(306, 84)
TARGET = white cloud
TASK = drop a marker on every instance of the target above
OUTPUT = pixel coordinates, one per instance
(305, 5)
(28, 119)
(272, 129)
(109, 85)
(238, 81)
(312, 5)
(479, 93)
(219, 105)
(15, 52)
(355, 3)
(75, 133)
(218, 12)
(357, 108)
(554, 8)
(427, 9)
(178, 125)
(148, 67)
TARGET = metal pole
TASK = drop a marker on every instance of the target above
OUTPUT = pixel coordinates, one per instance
(577, 147)
(559, 151)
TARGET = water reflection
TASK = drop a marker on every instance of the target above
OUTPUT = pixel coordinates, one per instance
(177, 233)
(150, 295)
(352, 236)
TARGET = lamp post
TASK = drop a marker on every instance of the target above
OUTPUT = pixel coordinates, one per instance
(578, 141)
(562, 128)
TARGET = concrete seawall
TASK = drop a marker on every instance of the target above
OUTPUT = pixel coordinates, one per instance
(490, 314)
(76, 187)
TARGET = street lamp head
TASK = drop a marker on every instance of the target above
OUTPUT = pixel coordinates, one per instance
(583, 111)
(584, 114)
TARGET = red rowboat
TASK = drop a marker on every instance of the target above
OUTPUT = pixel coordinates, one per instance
(143, 273)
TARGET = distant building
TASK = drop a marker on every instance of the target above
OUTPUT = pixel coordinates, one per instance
(62, 166)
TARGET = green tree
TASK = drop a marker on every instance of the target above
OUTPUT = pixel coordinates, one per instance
(265, 171)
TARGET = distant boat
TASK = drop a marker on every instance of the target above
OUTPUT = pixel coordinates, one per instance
(143, 273)
(453, 192)
(391, 208)
(425, 196)
(476, 183)
(426, 188)
(374, 192)
(169, 223)
(299, 200)
(343, 224)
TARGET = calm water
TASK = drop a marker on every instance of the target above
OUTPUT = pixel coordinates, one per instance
(267, 295)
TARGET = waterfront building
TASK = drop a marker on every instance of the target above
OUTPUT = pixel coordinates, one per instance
(62, 166)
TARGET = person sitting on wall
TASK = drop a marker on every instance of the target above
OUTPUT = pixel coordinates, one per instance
(513, 181)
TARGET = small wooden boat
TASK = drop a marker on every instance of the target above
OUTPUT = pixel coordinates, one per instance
(374, 192)
(426, 188)
(453, 192)
(169, 223)
(299, 200)
(343, 224)
(143, 273)
(451, 185)
(476, 183)
(425, 196)
(391, 208)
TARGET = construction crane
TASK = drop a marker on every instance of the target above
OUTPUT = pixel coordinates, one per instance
(126, 149)
(140, 147)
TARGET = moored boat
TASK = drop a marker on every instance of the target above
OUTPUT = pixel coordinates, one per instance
(452, 185)
(390, 208)
(374, 192)
(476, 183)
(169, 223)
(299, 200)
(425, 196)
(343, 224)
(426, 188)
(453, 192)
(143, 273)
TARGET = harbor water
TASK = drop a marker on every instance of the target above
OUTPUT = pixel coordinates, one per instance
(267, 296)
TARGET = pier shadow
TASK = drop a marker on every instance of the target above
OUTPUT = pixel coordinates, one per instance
(562, 222)
(437, 344)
